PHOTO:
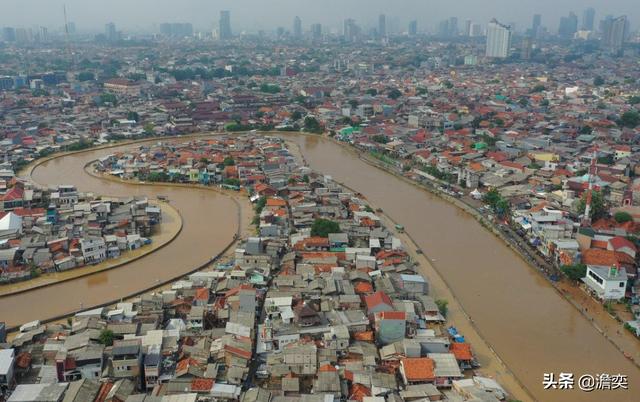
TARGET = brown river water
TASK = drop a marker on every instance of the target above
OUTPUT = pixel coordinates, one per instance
(530, 326)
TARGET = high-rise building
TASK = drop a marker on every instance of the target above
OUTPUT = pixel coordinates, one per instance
(110, 32)
(71, 28)
(443, 28)
(588, 17)
(527, 47)
(453, 26)
(297, 27)
(225, 25)
(614, 33)
(467, 28)
(382, 25)
(316, 32)
(43, 34)
(475, 30)
(351, 30)
(9, 34)
(413, 28)
(498, 39)
(23, 35)
(536, 25)
(568, 26)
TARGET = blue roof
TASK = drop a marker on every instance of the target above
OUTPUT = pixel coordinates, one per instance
(412, 278)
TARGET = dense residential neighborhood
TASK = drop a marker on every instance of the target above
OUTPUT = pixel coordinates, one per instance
(55, 230)
(532, 136)
(323, 300)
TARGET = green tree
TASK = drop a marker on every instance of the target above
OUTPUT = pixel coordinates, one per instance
(394, 93)
(630, 119)
(149, 128)
(260, 204)
(312, 124)
(228, 161)
(379, 138)
(133, 116)
(634, 100)
(598, 81)
(86, 76)
(622, 217)
(322, 227)
(574, 272)
(372, 91)
(106, 337)
(598, 207)
(443, 306)
(296, 115)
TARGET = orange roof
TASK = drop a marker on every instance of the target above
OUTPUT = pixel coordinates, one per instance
(418, 368)
(391, 315)
(363, 287)
(201, 384)
(327, 368)
(366, 336)
(461, 350)
(607, 258)
(359, 391)
(276, 202)
(245, 354)
(202, 294)
(377, 298)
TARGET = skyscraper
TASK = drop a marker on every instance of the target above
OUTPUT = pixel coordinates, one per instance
(535, 26)
(351, 30)
(382, 25)
(614, 33)
(316, 32)
(110, 32)
(413, 28)
(525, 51)
(297, 27)
(9, 34)
(588, 16)
(568, 26)
(498, 39)
(453, 26)
(225, 25)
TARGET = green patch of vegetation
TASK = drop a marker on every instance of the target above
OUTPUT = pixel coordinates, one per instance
(106, 337)
(322, 227)
(622, 217)
(497, 203)
(598, 207)
(574, 272)
(443, 307)
(270, 88)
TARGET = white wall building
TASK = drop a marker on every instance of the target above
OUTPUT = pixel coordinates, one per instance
(498, 39)
(608, 283)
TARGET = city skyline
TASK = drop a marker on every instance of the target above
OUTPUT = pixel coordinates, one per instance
(250, 15)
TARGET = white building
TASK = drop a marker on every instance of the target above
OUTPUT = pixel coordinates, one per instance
(607, 283)
(7, 358)
(498, 39)
(94, 250)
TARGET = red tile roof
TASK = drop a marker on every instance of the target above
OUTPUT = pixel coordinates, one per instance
(377, 298)
(418, 369)
(461, 350)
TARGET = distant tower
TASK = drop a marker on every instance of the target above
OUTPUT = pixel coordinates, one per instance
(297, 27)
(588, 17)
(614, 33)
(535, 26)
(382, 26)
(225, 25)
(413, 28)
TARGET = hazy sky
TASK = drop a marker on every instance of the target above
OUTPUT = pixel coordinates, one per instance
(268, 14)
